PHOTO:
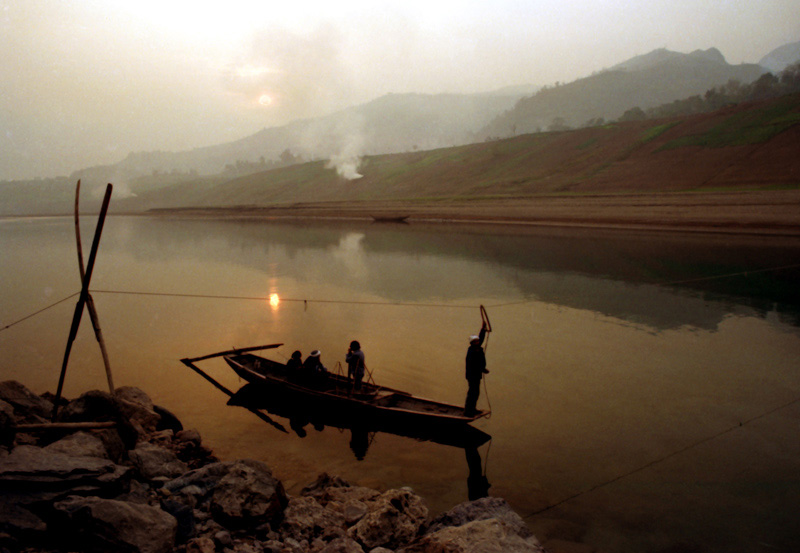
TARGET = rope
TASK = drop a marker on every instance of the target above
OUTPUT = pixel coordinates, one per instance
(264, 298)
(664, 458)
(25, 318)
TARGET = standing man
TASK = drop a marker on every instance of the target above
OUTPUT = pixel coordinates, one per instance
(355, 363)
(476, 368)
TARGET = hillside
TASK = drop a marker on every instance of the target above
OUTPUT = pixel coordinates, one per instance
(751, 146)
(737, 167)
(644, 81)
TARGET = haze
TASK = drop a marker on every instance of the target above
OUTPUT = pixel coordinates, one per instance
(85, 83)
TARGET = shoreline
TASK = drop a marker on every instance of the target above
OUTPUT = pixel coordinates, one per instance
(774, 212)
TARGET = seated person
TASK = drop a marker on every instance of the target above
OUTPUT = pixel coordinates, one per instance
(314, 372)
(294, 366)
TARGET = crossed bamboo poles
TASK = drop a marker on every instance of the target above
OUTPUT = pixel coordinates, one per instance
(85, 297)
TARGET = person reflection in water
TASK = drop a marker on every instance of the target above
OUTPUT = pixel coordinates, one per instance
(359, 442)
(477, 483)
(476, 368)
(355, 363)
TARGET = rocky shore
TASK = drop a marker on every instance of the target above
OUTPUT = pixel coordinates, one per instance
(140, 482)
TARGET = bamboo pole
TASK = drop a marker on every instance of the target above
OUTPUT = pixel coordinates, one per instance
(64, 426)
(89, 300)
(76, 317)
(232, 352)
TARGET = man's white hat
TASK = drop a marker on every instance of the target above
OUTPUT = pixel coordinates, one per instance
(471, 339)
(315, 353)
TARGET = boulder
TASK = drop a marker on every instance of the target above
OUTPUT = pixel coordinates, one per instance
(79, 444)
(480, 509)
(167, 420)
(8, 425)
(247, 496)
(202, 544)
(96, 524)
(155, 461)
(305, 519)
(28, 407)
(191, 436)
(137, 406)
(481, 536)
(31, 469)
(342, 545)
(198, 483)
(20, 524)
(97, 406)
(394, 519)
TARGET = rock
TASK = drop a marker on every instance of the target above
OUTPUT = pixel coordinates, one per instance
(8, 425)
(305, 519)
(109, 525)
(342, 545)
(248, 495)
(380, 550)
(137, 406)
(189, 436)
(394, 519)
(184, 516)
(322, 484)
(480, 509)
(79, 444)
(481, 536)
(20, 524)
(223, 538)
(201, 545)
(100, 406)
(154, 461)
(167, 420)
(30, 469)
(28, 407)
(353, 511)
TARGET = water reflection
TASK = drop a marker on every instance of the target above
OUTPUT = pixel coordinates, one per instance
(304, 414)
(666, 281)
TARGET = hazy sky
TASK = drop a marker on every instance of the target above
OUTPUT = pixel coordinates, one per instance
(85, 82)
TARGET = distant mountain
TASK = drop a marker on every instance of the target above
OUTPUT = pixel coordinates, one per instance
(781, 57)
(645, 81)
(392, 123)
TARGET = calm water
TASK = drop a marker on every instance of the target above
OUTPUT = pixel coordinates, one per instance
(643, 386)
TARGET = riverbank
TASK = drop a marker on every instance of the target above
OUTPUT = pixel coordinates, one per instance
(765, 212)
(140, 482)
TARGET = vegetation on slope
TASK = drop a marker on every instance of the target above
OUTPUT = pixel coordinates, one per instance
(742, 147)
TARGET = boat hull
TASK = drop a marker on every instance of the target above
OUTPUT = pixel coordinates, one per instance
(334, 392)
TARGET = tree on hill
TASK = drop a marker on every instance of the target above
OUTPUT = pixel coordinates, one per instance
(732, 93)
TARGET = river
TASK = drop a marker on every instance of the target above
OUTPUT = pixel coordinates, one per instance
(644, 387)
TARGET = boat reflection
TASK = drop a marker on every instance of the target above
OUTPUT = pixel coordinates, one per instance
(303, 413)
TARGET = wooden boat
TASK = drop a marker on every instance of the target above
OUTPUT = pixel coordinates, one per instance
(333, 391)
(390, 218)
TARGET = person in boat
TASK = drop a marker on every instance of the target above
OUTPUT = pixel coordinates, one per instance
(314, 372)
(294, 366)
(475, 369)
(355, 364)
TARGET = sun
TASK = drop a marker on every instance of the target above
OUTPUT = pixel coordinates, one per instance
(265, 100)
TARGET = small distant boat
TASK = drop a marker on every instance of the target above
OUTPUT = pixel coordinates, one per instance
(334, 391)
(390, 218)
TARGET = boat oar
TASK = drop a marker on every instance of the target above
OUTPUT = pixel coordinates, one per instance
(190, 363)
(76, 317)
